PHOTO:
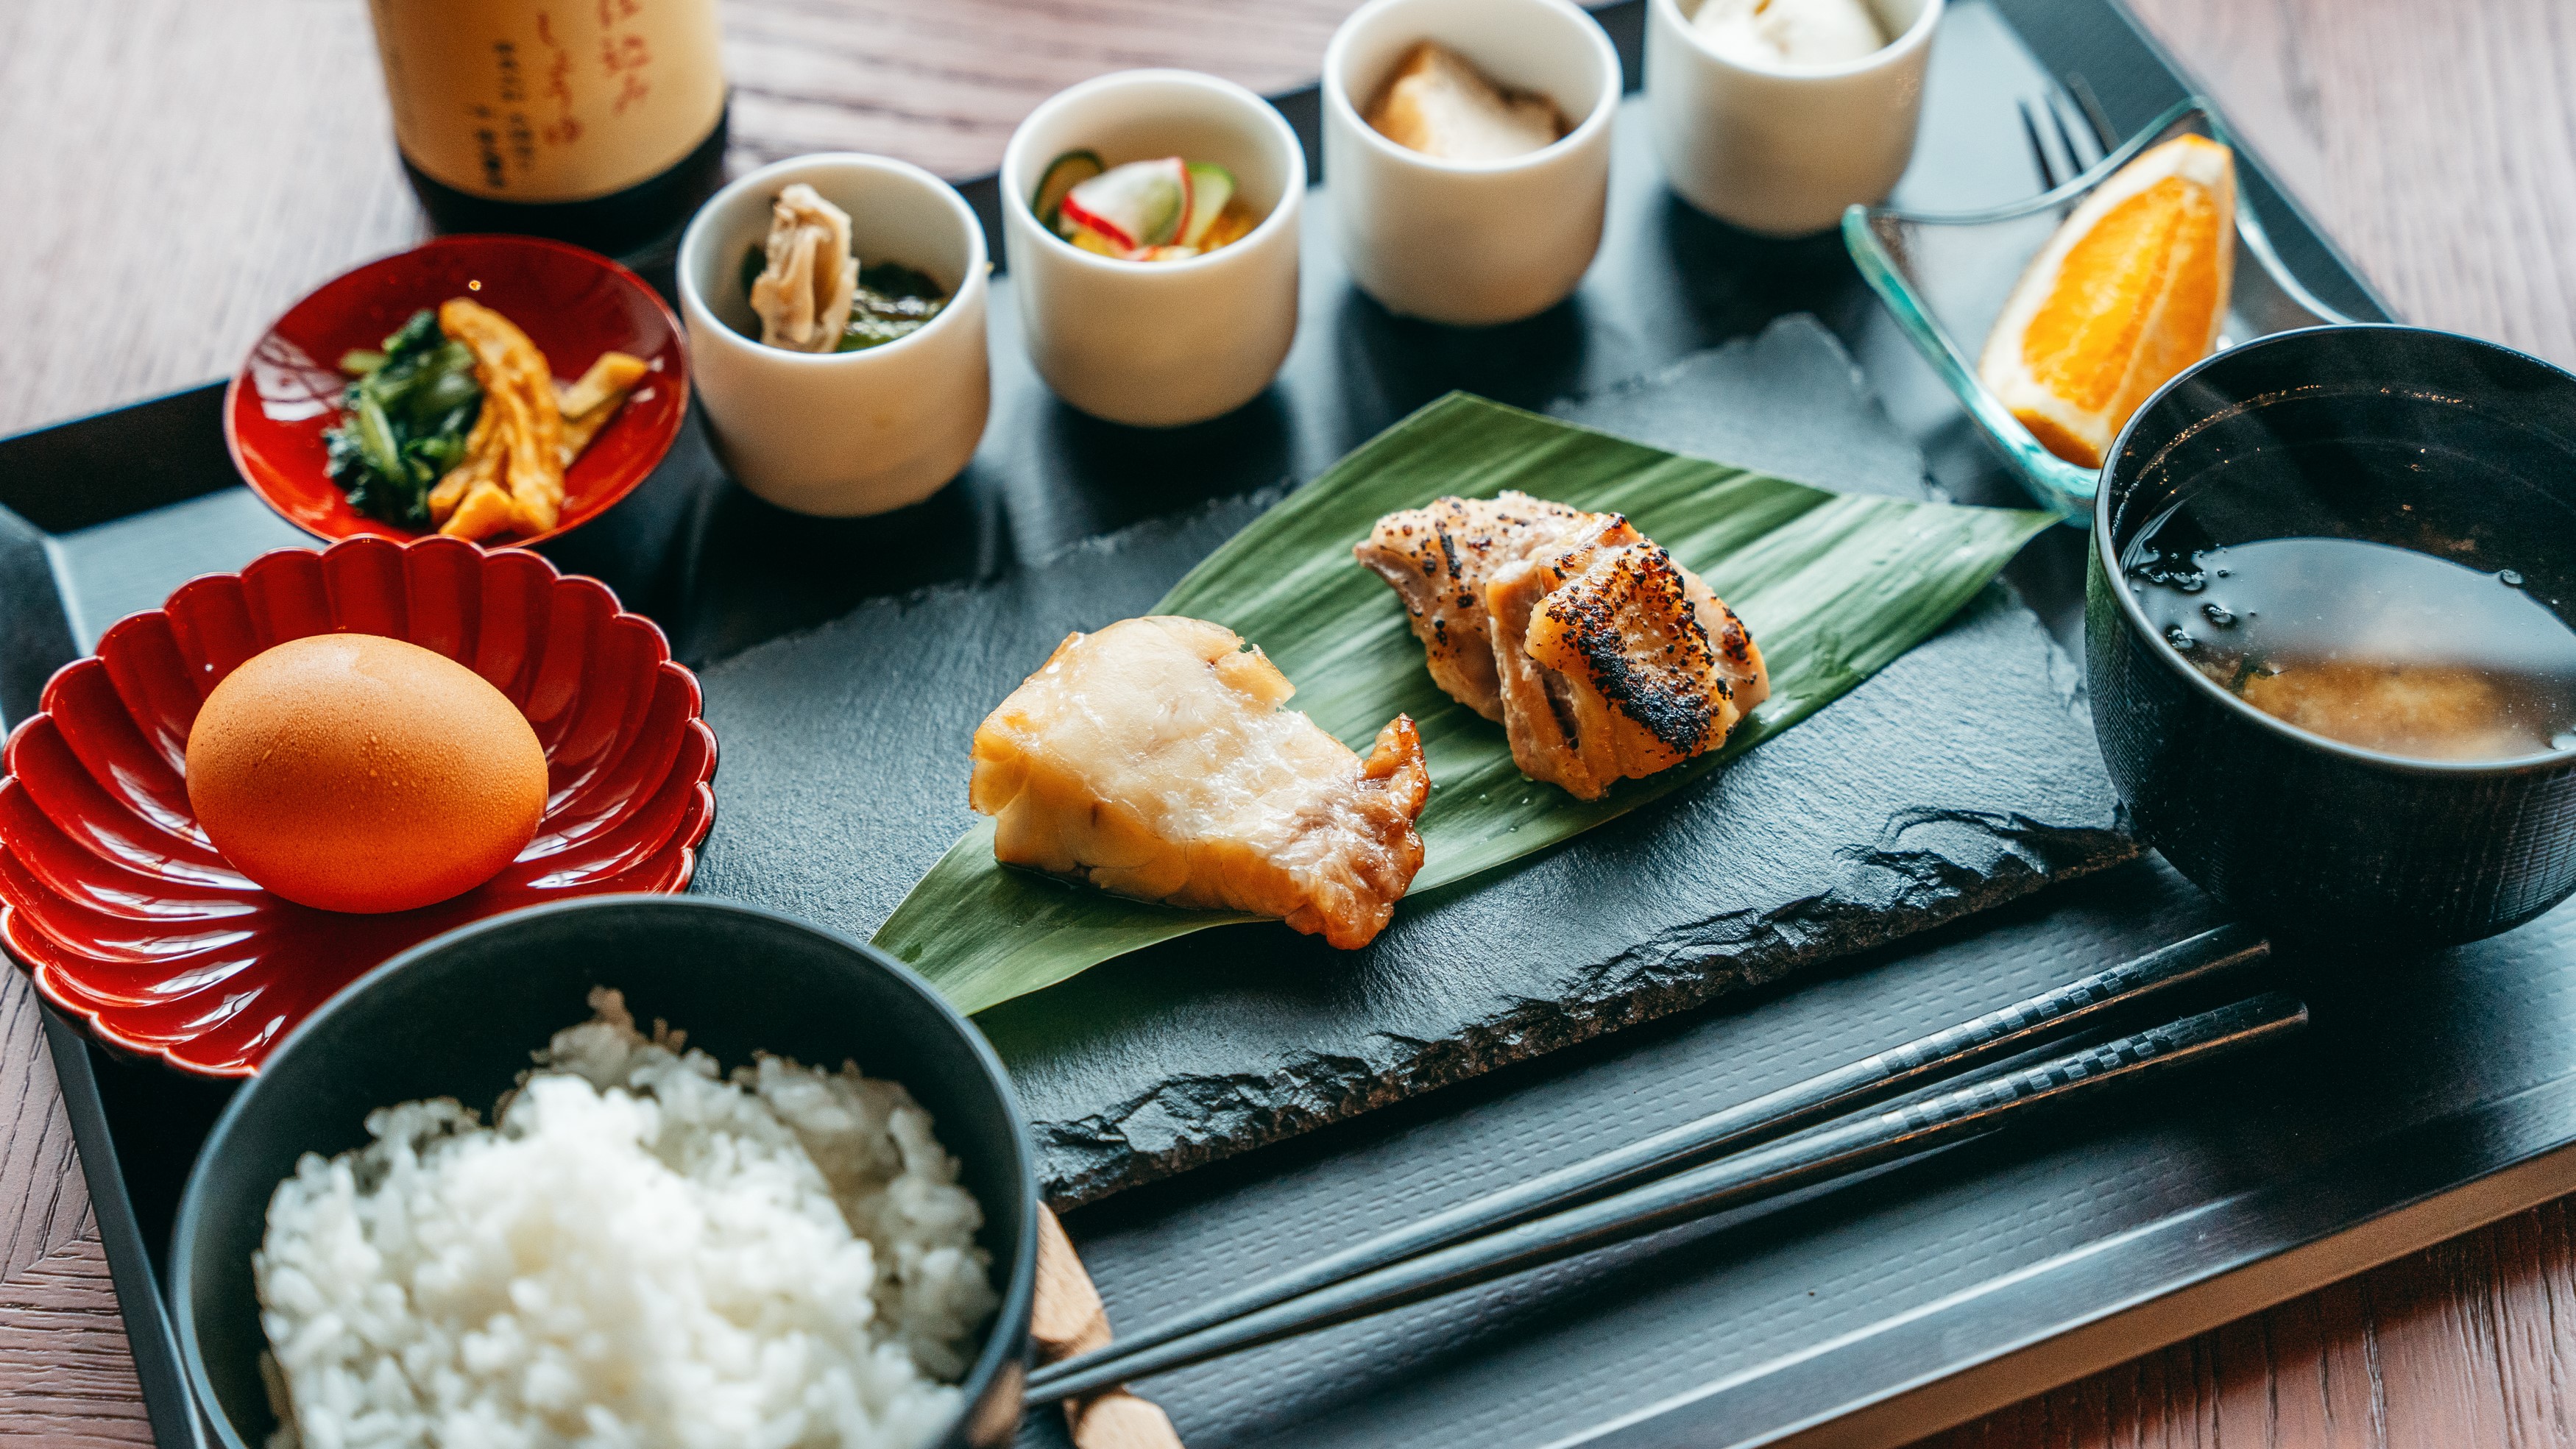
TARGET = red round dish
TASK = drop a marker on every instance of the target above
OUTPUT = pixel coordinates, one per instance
(110, 895)
(573, 304)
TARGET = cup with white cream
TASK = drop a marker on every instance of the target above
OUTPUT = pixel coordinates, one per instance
(1775, 115)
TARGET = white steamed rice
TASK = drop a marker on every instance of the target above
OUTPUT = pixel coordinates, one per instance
(640, 1252)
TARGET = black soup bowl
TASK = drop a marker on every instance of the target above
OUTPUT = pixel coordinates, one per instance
(2397, 435)
(457, 1017)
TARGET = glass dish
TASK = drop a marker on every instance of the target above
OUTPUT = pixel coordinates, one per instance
(1946, 277)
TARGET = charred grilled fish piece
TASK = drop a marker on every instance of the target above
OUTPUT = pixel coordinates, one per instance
(1152, 759)
(1613, 668)
(1608, 659)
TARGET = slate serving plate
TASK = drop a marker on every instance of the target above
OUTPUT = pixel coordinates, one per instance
(1884, 814)
(1867, 1315)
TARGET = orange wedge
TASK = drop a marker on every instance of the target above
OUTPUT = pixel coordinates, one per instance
(2130, 291)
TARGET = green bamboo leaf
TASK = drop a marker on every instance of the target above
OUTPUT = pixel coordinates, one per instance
(1833, 586)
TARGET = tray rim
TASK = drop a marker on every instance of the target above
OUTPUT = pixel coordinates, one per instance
(2107, 1335)
(2254, 1278)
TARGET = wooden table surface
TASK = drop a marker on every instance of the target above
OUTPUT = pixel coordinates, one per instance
(173, 173)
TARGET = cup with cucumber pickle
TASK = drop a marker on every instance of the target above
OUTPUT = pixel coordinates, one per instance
(1150, 221)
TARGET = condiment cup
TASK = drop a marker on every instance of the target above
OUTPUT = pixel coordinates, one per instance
(1158, 344)
(2306, 834)
(1782, 149)
(1470, 242)
(841, 434)
(457, 1017)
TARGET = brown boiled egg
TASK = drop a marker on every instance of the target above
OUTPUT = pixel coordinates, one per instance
(358, 773)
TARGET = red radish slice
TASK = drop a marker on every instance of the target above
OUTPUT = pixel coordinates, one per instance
(1141, 204)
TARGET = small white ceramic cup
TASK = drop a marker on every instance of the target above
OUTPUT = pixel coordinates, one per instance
(1470, 242)
(841, 434)
(1783, 149)
(1158, 344)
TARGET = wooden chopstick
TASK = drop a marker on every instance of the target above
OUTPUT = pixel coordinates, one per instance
(1068, 1318)
(1836, 1148)
(1987, 1038)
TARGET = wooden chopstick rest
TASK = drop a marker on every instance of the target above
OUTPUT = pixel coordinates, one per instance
(1069, 1319)
(1119, 1420)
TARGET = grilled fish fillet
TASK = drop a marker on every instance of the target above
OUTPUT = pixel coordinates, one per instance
(1152, 759)
(1604, 658)
(1439, 560)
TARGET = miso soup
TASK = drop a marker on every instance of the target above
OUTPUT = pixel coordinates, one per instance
(2432, 655)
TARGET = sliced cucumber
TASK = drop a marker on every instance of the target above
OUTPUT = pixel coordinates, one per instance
(1211, 187)
(1062, 175)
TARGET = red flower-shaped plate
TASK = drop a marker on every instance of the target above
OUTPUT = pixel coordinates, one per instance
(128, 919)
(573, 304)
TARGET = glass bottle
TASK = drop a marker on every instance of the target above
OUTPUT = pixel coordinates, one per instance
(599, 122)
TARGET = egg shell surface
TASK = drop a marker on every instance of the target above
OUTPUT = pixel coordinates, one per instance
(353, 772)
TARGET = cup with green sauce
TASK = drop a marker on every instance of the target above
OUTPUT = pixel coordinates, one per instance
(897, 405)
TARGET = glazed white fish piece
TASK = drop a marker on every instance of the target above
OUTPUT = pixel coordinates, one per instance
(1152, 759)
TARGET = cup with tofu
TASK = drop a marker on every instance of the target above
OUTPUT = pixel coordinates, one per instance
(1467, 145)
(1776, 115)
(835, 307)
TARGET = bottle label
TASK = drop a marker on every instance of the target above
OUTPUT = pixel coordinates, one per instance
(550, 100)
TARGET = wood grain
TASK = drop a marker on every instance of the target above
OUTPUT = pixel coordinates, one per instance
(178, 171)
(2436, 144)
(66, 1377)
(2466, 1344)
(943, 85)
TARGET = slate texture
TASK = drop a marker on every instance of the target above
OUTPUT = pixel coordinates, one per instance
(1959, 777)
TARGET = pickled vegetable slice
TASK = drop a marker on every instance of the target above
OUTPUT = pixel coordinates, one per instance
(1211, 187)
(1062, 175)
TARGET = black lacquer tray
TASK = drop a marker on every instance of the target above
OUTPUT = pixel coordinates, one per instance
(2432, 1094)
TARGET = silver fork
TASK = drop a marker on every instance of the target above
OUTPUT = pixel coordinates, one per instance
(2075, 136)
